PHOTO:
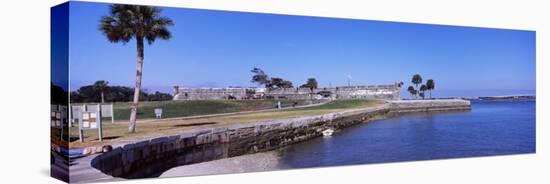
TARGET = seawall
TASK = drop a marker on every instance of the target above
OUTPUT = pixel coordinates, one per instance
(429, 105)
(149, 158)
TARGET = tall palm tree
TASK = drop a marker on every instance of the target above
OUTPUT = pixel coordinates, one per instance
(101, 86)
(430, 84)
(126, 22)
(412, 91)
(423, 89)
(416, 80)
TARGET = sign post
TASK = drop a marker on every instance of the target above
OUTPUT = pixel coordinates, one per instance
(90, 119)
(99, 129)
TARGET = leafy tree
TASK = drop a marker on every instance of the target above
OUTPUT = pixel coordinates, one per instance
(122, 94)
(101, 86)
(75, 97)
(423, 88)
(270, 85)
(260, 77)
(276, 82)
(87, 94)
(158, 96)
(58, 95)
(430, 84)
(126, 22)
(311, 84)
(286, 84)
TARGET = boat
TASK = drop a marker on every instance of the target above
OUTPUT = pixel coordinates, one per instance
(327, 132)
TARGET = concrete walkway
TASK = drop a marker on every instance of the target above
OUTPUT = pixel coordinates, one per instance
(81, 170)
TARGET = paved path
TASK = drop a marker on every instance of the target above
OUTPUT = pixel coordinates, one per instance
(81, 170)
(226, 114)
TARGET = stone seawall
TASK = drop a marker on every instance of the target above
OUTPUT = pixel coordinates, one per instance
(149, 158)
(429, 105)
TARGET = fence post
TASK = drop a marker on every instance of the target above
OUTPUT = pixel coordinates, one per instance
(60, 119)
(80, 128)
(98, 121)
(70, 116)
(112, 114)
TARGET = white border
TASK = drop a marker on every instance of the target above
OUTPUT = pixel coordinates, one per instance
(25, 80)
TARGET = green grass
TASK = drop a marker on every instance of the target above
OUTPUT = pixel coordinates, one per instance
(173, 109)
(118, 131)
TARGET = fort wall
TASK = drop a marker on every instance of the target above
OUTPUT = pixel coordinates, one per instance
(385, 92)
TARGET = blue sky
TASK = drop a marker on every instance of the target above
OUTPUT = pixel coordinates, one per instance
(60, 46)
(219, 48)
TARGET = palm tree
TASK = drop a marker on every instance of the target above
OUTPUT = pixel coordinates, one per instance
(101, 86)
(430, 84)
(423, 88)
(126, 22)
(417, 79)
(412, 91)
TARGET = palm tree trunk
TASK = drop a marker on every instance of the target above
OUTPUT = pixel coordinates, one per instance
(430, 94)
(417, 91)
(133, 112)
(102, 97)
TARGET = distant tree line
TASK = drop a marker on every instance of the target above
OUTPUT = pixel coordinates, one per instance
(100, 91)
(58, 95)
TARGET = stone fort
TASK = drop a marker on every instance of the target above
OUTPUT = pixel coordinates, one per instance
(386, 92)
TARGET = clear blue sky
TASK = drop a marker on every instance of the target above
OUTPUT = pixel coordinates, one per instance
(219, 48)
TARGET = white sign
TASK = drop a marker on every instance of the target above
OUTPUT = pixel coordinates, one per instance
(158, 112)
(90, 118)
(58, 116)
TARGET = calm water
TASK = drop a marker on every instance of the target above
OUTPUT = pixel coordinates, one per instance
(490, 128)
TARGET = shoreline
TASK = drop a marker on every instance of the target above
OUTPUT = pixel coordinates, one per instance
(197, 148)
(504, 97)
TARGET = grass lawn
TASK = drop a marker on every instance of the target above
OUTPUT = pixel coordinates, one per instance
(118, 130)
(192, 108)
